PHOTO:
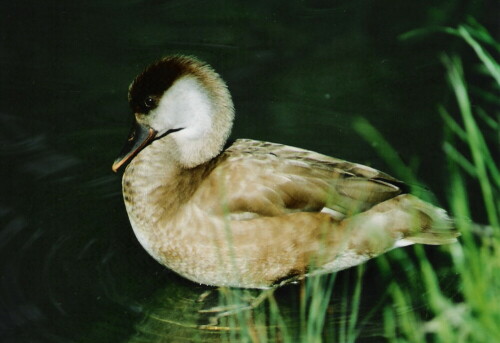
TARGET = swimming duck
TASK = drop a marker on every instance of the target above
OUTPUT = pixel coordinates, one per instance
(251, 214)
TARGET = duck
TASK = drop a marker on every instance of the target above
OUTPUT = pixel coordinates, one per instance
(248, 213)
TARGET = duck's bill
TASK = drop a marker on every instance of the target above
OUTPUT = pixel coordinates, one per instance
(138, 138)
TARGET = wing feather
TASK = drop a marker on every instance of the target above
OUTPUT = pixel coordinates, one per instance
(269, 179)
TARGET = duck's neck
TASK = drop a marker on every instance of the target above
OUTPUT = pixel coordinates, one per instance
(151, 184)
(156, 187)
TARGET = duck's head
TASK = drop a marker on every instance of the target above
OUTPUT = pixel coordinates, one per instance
(182, 99)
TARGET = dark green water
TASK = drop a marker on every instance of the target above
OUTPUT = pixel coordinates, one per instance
(299, 71)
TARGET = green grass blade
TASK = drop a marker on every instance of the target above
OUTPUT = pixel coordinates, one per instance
(492, 123)
(458, 158)
(483, 55)
(475, 138)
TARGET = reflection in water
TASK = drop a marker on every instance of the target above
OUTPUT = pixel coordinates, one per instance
(178, 313)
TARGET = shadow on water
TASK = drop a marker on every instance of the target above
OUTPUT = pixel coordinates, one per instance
(71, 269)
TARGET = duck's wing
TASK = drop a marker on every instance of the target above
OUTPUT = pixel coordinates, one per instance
(253, 178)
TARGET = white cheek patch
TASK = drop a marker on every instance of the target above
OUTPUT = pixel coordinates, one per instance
(186, 105)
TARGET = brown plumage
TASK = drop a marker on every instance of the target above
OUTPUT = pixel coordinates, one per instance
(256, 213)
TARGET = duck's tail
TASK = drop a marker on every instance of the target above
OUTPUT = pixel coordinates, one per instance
(401, 221)
(417, 221)
(427, 224)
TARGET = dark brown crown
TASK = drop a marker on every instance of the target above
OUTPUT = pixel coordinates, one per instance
(156, 79)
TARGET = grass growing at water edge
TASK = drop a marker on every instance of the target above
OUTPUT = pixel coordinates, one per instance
(474, 313)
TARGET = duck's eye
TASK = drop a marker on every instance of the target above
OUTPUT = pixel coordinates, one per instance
(149, 102)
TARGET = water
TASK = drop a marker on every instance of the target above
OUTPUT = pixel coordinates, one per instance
(299, 72)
